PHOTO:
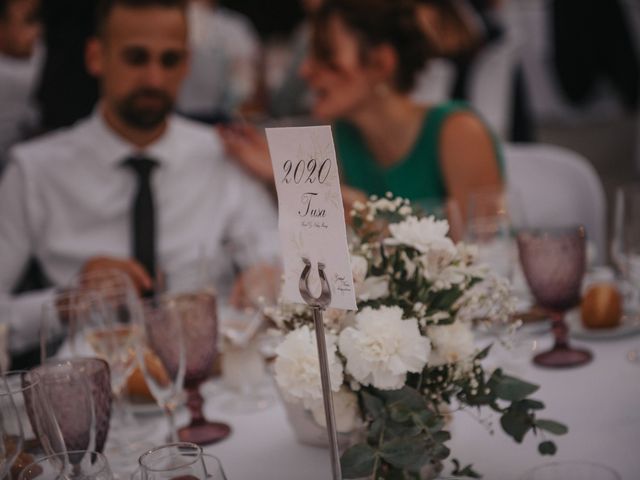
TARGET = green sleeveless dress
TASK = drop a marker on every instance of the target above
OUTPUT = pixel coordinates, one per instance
(417, 177)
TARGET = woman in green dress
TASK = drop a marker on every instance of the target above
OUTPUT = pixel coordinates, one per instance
(363, 62)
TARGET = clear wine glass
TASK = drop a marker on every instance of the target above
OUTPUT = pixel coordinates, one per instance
(162, 355)
(625, 245)
(112, 333)
(78, 393)
(94, 466)
(11, 432)
(175, 460)
(572, 470)
(68, 310)
(554, 262)
(491, 216)
(18, 439)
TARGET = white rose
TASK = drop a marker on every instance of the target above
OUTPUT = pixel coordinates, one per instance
(345, 406)
(451, 343)
(424, 234)
(297, 367)
(383, 348)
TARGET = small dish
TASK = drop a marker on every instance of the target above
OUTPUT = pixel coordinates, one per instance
(629, 325)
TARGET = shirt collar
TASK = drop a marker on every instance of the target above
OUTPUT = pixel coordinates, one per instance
(114, 149)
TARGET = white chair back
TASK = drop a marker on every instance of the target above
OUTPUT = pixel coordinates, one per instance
(558, 187)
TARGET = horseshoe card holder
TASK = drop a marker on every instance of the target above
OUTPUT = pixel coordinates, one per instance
(318, 305)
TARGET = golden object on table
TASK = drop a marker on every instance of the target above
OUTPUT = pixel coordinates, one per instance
(601, 306)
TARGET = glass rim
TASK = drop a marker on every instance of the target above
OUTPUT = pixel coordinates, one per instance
(560, 463)
(103, 460)
(59, 362)
(543, 231)
(193, 446)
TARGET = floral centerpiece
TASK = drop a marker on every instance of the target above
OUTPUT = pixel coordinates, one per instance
(407, 357)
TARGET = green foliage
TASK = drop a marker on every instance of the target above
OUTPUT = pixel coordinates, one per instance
(406, 428)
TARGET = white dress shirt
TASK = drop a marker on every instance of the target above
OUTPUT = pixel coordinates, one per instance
(66, 198)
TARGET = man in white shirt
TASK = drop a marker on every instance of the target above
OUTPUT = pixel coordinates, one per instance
(68, 198)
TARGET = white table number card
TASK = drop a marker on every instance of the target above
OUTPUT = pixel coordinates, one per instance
(311, 216)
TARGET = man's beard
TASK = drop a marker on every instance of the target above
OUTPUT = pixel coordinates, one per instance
(145, 118)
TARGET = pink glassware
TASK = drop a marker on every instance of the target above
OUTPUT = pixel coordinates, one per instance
(554, 262)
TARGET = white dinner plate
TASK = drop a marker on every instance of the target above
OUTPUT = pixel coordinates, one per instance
(628, 326)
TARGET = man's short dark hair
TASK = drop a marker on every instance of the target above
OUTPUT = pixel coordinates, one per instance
(106, 6)
(4, 7)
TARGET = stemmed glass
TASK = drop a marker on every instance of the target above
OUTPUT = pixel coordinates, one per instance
(198, 315)
(77, 392)
(625, 245)
(15, 427)
(178, 460)
(162, 355)
(94, 466)
(554, 262)
(490, 219)
(243, 368)
(11, 432)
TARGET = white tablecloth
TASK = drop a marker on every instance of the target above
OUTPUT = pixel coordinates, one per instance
(599, 402)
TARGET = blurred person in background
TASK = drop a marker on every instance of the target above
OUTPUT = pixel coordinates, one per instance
(292, 97)
(132, 187)
(67, 92)
(20, 63)
(225, 62)
(461, 31)
(364, 58)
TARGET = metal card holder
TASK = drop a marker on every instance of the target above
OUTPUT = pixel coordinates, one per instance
(318, 305)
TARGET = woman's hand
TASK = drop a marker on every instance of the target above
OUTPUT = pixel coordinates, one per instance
(249, 148)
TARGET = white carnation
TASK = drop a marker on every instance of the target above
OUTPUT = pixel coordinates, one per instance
(383, 348)
(373, 288)
(345, 406)
(425, 235)
(451, 343)
(359, 268)
(297, 367)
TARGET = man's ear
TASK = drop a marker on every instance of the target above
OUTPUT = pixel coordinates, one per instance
(94, 57)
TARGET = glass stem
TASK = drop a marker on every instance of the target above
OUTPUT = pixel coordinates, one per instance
(194, 404)
(171, 419)
(560, 330)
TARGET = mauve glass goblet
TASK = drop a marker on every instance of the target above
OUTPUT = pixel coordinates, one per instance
(198, 316)
(554, 262)
(78, 392)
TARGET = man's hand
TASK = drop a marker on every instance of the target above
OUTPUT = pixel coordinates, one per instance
(97, 266)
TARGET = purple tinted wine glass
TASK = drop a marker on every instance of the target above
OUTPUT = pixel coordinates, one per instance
(200, 326)
(554, 262)
(78, 393)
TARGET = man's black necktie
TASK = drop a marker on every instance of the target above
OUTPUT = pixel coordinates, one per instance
(143, 225)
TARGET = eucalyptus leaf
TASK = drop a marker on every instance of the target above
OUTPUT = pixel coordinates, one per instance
(547, 448)
(513, 389)
(372, 404)
(358, 461)
(403, 452)
(516, 424)
(552, 426)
